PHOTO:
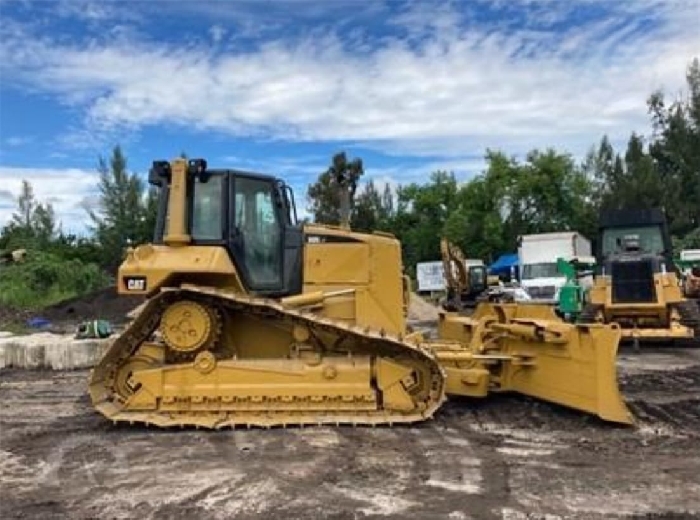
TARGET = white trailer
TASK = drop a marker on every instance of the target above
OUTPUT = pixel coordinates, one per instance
(690, 255)
(537, 258)
(431, 275)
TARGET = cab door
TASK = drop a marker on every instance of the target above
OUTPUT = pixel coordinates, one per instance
(263, 243)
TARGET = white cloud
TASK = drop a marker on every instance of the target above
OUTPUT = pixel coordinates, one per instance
(217, 33)
(17, 140)
(457, 91)
(92, 11)
(66, 189)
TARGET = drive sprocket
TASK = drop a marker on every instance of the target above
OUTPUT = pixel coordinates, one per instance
(188, 327)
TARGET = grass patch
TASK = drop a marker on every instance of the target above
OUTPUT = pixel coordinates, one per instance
(44, 279)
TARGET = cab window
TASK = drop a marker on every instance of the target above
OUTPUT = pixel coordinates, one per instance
(257, 221)
(206, 209)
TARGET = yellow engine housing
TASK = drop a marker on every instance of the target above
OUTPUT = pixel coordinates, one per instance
(363, 272)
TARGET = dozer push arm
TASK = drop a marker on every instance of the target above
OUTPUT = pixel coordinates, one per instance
(551, 360)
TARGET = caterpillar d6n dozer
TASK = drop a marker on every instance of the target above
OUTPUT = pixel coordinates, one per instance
(253, 319)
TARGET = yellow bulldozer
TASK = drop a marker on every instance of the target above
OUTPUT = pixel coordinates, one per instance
(254, 319)
(639, 285)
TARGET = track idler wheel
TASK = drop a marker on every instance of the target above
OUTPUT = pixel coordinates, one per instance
(122, 384)
(188, 327)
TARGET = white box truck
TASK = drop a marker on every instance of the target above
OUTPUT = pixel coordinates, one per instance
(537, 258)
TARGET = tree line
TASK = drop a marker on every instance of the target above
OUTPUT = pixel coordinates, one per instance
(546, 191)
(60, 265)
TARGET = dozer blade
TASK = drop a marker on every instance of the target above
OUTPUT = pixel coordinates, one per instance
(571, 365)
(580, 373)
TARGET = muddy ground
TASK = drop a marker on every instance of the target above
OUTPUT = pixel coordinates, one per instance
(507, 457)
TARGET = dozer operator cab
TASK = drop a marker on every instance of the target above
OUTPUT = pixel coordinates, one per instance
(633, 246)
(252, 216)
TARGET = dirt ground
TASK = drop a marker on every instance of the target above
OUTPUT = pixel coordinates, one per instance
(506, 457)
(420, 310)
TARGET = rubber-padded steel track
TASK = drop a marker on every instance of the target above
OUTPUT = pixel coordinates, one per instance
(104, 387)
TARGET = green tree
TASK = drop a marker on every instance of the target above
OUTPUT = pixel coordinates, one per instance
(689, 241)
(388, 200)
(481, 222)
(32, 225)
(604, 170)
(324, 194)
(125, 210)
(421, 214)
(372, 210)
(44, 223)
(26, 205)
(549, 193)
(675, 148)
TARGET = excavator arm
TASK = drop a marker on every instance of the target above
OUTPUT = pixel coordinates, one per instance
(456, 276)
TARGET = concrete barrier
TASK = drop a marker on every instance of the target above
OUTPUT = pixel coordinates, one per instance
(50, 351)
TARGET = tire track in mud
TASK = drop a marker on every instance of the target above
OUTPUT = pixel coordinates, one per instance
(665, 398)
(544, 445)
(507, 434)
(502, 457)
(427, 471)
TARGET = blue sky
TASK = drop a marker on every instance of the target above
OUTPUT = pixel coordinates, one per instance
(279, 86)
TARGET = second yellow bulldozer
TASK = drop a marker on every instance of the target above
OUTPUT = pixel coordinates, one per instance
(639, 286)
(254, 319)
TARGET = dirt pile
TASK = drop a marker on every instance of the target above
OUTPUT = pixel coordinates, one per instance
(103, 304)
(421, 310)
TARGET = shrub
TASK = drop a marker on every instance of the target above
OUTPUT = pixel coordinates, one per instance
(45, 278)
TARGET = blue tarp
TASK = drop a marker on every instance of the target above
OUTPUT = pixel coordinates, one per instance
(503, 264)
